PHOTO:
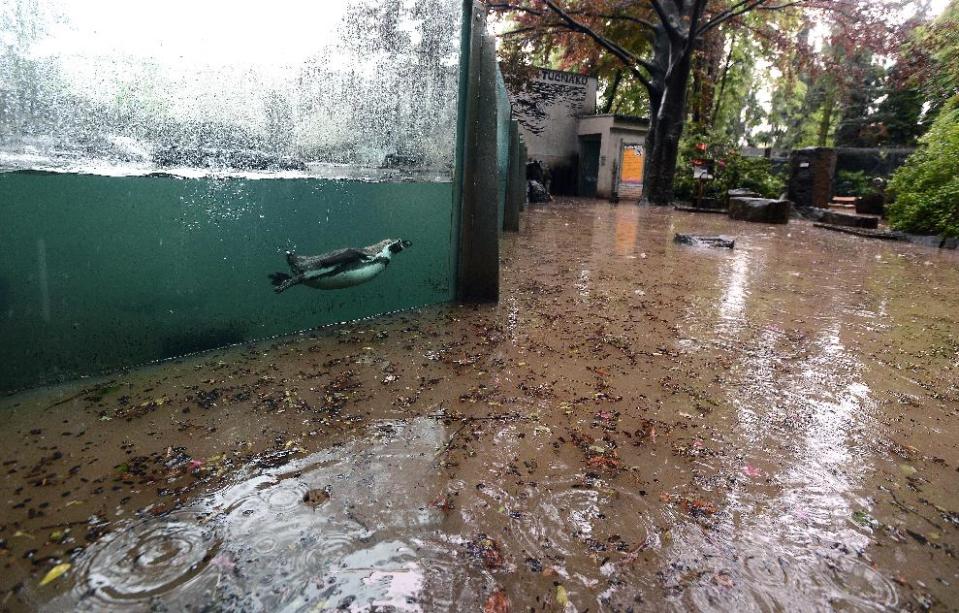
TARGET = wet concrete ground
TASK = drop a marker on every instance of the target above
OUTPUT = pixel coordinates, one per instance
(637, 425)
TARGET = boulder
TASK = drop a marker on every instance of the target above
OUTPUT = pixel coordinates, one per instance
(705, 241)
(760, 210)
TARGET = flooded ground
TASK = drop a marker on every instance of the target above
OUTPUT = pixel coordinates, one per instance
(636, 425)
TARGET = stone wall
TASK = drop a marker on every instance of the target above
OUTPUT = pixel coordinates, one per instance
(811, 174)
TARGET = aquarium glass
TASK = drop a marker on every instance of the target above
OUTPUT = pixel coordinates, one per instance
(158, 159)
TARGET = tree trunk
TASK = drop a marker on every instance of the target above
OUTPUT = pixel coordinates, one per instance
(722, 82)
(666, 131)
(613, 89)
(827, 109)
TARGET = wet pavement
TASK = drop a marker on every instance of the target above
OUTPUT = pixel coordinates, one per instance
(637, 425)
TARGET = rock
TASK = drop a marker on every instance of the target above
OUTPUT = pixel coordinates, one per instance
(760, 210)
(742, 192)
(706, 241)
(846, 219)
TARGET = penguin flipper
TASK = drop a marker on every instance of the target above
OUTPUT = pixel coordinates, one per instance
(282, 281)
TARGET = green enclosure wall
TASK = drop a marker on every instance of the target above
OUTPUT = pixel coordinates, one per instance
(503, 116)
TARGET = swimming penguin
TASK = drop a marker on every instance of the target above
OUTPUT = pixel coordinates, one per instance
(340, 268)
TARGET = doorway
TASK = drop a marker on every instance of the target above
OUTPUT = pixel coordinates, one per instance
(589, 147)
(632, 162)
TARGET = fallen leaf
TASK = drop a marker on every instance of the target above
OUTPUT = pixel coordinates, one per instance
(562, 598)
(498, 602)
(55, 573)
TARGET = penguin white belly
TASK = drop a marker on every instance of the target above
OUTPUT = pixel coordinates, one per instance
(347, 278)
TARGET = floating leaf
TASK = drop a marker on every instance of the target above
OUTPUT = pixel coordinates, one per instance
(498, 602)
(58, 535)
(54, 573)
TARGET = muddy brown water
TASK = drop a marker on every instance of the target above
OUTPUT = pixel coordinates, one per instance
(637, 425)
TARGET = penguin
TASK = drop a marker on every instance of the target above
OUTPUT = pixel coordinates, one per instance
(338, 269)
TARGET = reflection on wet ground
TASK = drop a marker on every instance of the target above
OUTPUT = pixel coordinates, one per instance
(637, 425)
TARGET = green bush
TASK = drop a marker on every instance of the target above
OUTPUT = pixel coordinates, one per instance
(751, 173)
(926, 187)
(732, 170)
(852, 183)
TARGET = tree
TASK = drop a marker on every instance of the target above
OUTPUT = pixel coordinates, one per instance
(670, 31)
(931, 57)
(654, 42)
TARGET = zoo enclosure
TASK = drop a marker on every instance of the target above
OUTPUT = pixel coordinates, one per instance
(149, 185)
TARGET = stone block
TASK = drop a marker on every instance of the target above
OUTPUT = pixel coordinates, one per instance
(845, 219)
(760, 210)
(871, 204)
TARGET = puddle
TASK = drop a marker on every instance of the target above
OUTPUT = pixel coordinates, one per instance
(257, 545)
(636, 426)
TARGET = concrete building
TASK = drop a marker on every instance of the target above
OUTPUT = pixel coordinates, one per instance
(547, 105)
(587, 154)
(612, 156)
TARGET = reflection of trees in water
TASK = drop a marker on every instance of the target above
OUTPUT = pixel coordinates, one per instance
(534, 101)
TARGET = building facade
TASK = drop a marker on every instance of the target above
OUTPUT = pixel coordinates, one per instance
(587, 154)
(547, 105)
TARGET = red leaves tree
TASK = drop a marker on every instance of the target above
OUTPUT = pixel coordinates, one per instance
(654, 42)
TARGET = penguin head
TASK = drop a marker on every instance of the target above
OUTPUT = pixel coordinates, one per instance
(399, 245)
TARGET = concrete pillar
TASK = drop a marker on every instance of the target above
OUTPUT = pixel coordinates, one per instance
(523, 160)
(478, 249)
(811, 175)
(516, 186)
